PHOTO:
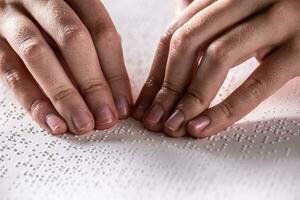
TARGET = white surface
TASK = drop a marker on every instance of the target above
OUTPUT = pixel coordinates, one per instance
(255, 159)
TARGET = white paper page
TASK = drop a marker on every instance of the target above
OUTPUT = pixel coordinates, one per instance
(258, 158)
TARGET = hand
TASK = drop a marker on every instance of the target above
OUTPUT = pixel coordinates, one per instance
(198, 50)
(63, 60)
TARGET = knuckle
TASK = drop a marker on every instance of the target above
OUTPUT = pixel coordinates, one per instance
(9, 75)
(216, 53)
(12, 78)
(63, 93)
(93, 86)
(36, 106)
(172, 89)
(71, 33)
(29, 45)
(117, 78)
(31, 49)
(253, 88)
(196, 98)
(225, 109)
(153, 82)
(99, 28)
(167, 36)
(180, 41)
(108, 37)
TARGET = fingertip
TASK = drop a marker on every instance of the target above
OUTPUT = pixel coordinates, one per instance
(138, 113)
(173, 133)
(82, 121)
(169, 131)
(151, 125)
(102, 127)
(192, 130)
(139, 109)
(154, 118)
(141, 106)
(174, 125)
(60, 130)
(197, 126)
(55, 124)
(124, 107)
(105, 117)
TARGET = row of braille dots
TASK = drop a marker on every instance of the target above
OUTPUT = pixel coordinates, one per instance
(18, 144)
(277, 127)
(277, 134)
(216, 147)
(234, 134)
(3, 170)
(11, 112)
(240, 138)
(50, 168)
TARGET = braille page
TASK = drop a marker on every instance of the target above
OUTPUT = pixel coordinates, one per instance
(258, 158)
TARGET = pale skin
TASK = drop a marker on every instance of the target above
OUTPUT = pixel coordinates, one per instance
(195, 55)
(63, 61)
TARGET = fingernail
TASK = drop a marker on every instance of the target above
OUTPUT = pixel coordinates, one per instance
(198, 125)
(155, 114)
(122, 107)
(81, 120)
(175, 121)
(139, 110)
(55, 124)
(104, 115)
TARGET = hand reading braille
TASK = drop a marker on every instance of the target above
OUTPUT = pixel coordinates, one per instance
(63, 60)
(194, 56)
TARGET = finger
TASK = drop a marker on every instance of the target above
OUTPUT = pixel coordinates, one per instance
(271, 75)
(182, 4)
(20, 82)
(231, 49)
(110, 53)
(26, 40)
(185, 45)
(76, 45)
(157, 73)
